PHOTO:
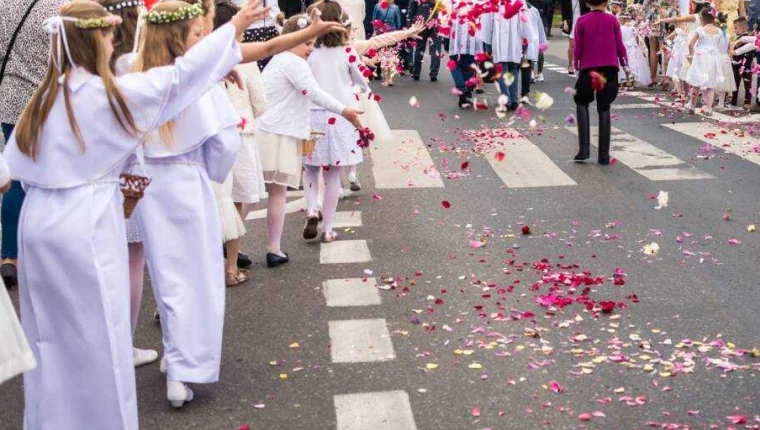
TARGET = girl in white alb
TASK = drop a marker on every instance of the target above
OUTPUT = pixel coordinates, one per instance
(334, 64)
(75, 307)
(637, 61)
(290, 88)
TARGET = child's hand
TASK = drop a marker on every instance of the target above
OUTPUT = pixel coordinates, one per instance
(352, 115)
(247, 15)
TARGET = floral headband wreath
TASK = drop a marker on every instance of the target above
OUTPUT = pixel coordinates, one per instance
(57, 30)
(125, 5)
(182, 14)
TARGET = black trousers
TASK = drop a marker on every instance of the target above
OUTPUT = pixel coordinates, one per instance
(742, 76)
(585, 93)
(430, 34)
(525, 76)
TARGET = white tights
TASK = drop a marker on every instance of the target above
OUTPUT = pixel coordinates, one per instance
(332, 177)
(136, 278)
(276, 216)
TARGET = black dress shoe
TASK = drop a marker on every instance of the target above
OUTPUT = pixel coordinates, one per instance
(416, 78)
(9, 274)
(274, 260)
(243, 261)
(433, 79)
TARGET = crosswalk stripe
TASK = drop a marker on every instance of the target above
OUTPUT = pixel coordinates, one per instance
(526, 166)
(360, 341)
(351, 292)
(645, 159)
(716, 115)
(404, 162)
(388, 410)
(345, 219)
(625, 106)
(745, 147)
(344, 251)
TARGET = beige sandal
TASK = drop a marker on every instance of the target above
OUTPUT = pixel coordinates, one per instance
(233, 279)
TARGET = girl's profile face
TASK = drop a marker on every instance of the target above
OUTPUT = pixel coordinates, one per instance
(195, 32)
(305, 49)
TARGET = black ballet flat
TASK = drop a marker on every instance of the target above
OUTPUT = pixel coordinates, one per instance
(243, 261)
(274, 260)
(9, 273)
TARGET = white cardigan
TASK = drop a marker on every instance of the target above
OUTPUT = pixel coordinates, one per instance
(290, 87)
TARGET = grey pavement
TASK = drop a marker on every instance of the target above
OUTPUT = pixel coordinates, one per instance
(458, 338)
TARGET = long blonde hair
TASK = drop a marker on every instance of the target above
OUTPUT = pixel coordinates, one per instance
(160, 45)
(87, 48)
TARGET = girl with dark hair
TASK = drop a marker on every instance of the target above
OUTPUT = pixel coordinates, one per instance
(599, 53)
(706, 71)
(335, 67)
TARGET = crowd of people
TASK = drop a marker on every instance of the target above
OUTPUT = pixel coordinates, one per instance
(141, 134)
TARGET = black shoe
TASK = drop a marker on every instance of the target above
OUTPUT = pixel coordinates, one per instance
(479, 91)
(605, 129)
(433, 79)
(584, 140)
(274, 260)
(416, 78)
(512, 107)
(9, 274)
(310, 227)
(465, 102)
(243, 261)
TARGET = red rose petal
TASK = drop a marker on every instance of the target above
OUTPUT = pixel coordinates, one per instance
(499, 156)
(445, 204)
(331, 121)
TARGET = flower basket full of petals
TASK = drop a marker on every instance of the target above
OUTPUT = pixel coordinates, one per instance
(132, 187)
(366, 136)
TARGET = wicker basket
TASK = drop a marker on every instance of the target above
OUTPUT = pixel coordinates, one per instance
(132, 187)
(309, 145)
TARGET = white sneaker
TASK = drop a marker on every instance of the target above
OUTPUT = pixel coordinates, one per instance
(353, 181)
(540, 77)
(143, 356)
(178, 394)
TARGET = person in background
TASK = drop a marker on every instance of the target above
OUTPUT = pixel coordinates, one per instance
(356, 10)
(294, 7)
(743, 52)
(616, 7)
(428, 12)
(753, 13)
(599, 53)
(390, 15)
(25, 64)
(368, 28)
(262, 30)
(571, 11)
(462, 50)
(549, 17)
(534, 54)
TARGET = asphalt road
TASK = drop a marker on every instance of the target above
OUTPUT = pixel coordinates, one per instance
(472, 347)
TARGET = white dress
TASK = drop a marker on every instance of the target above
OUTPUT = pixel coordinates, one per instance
(15, 355)
(182, 234)
(678, 54)
(637, 61)
(356, 9)
(247, 177)
(691, 29)
(505, 35)
(727, 84)
(75, 307)
(339, 77)
(706, 70)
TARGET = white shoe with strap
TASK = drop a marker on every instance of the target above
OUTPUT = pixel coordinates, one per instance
(178, 394)
(143, 356)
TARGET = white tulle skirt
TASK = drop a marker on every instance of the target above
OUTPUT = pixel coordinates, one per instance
(232, 225)
(247, 175)
(639, 66)
(727, 85)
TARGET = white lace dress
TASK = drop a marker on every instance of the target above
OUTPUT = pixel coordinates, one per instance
(706, 70)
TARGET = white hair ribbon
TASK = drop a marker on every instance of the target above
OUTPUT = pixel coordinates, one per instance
(138, 30)
(55, 28)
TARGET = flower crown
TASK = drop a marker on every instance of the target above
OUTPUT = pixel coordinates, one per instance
(125, 5)
(181, 14)
(94, 23)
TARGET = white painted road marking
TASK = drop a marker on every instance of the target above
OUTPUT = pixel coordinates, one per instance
(344, 251)
(404, 162)
(526, 166)
(646, 159)
(745, 147)
(388, 410)
(345, 219)
(360, 341)
(351, 292)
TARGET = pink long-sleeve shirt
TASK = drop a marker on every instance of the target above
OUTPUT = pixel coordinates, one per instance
(598, 42)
